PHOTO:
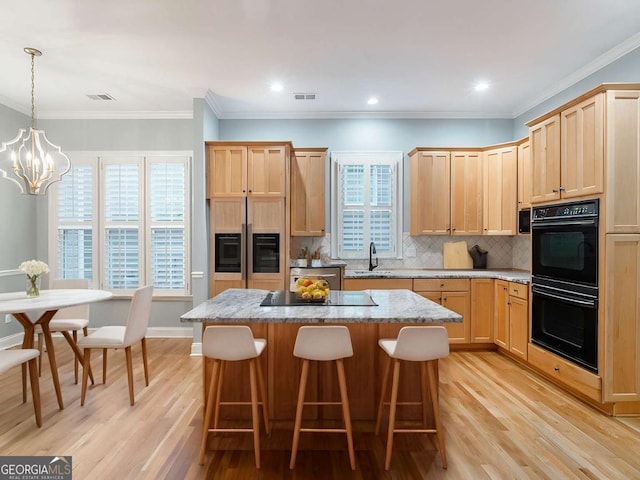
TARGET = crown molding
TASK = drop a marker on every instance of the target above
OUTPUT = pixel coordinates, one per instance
(133, 115)
(360, 115)
(602, 61)
(212, 100)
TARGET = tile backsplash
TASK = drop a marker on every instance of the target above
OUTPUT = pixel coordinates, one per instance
(504, 252)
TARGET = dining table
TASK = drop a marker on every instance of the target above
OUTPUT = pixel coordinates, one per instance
(39, 310)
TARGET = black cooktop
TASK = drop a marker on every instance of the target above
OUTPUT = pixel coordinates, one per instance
(337, 298)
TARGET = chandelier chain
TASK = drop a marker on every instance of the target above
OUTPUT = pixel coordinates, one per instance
(33, 88)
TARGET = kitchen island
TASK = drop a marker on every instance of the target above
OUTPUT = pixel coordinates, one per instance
(279, 325)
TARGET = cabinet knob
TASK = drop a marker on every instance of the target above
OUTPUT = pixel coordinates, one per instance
(556, 369)
(562, 189)
(555, 190)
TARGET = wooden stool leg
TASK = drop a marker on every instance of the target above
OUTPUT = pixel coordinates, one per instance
(208, 410)
(24, 382)
(345, 411)
(127, 352)
(216, 412)
(75, 359)
(35, 390)
(104, 365)
(433, 386)
(40, 356)
(145, 362)
(424, 393)
(263, 395)
(255, 415)
(86, 355)
(296, 427)
(392, 412)
(383, 392)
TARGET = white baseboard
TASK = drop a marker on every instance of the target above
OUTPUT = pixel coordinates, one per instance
(11, 340)
(196, 349)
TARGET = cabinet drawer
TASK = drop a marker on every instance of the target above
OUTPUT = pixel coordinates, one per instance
(566, 372)
(441, 284)
(519, 290)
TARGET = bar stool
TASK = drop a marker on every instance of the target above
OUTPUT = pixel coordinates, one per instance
(414, 344)
(325, 343)
(231, 343)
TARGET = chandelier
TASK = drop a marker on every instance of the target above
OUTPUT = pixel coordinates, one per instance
(30, 160)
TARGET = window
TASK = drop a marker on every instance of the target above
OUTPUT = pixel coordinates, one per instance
(122, 221)
(368, 206)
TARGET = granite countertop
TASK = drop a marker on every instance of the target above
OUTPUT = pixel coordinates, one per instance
(518, 276)
(237, 305)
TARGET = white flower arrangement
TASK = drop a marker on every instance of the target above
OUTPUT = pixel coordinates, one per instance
(34, 268)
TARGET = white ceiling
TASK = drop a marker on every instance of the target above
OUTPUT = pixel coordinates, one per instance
(421, 58)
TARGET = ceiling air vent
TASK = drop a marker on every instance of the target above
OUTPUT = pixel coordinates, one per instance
(304, 96)
(101, 96)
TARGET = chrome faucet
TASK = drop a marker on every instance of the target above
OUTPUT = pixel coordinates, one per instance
(372, 250)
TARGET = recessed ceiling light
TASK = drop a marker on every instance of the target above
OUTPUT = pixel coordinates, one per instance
(372, 101)
(277, 87)
(481, 86)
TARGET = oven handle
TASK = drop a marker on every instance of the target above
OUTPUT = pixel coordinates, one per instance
(571, 223)
(575, 301)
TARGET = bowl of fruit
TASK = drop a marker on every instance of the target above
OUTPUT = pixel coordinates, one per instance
(312, 289)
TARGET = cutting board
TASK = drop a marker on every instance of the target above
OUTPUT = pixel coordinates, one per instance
(456, 255)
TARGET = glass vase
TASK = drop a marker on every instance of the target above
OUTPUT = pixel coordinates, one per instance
(33, 286)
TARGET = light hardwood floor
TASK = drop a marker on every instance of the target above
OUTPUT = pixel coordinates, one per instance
(500, 420)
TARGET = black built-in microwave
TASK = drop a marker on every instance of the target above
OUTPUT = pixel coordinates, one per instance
(524, 220)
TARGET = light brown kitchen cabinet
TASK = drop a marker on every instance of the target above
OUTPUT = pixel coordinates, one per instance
(430, 192)
(582, 148)
(446, 192)
(511, 317)
(500, 191)
(524, 175)
(623, 162)
(454, 295)
(482, 305)
(621, 379)
(544, 141)
(256, 169)
(308, 192)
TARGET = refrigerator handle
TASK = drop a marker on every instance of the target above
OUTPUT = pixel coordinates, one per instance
(243, 252)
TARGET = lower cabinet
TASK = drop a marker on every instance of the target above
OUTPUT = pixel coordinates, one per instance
(511, 317)
(482, 305)
(453, 294)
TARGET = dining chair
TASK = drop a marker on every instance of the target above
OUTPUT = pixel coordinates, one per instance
(69, 319)
(118, 336)
(13, 358)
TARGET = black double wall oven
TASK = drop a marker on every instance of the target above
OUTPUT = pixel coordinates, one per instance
(564, 311)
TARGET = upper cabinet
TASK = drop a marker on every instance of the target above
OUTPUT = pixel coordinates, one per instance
(524, 175)
(500, 191)
(446, 192)
(246, 170)
(308, 192)
(567, 152)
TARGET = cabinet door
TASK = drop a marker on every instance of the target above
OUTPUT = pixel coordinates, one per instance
(482, 304)
(518, 326)
(621, 378)
(307, 193)
(524, 175)
(460, 303)
(501, 314)
(266, 171)
(430, 193)
(226, 171)
(466, 193)
(544, 139)
(582, 148)
(500, 199)
(623, 162)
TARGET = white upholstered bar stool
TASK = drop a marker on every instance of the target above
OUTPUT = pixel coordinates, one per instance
(424, 344)
(232, 343)
(323, 343)
(20, 356)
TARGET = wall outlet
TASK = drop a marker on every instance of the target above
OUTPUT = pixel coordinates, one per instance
(7, 318)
